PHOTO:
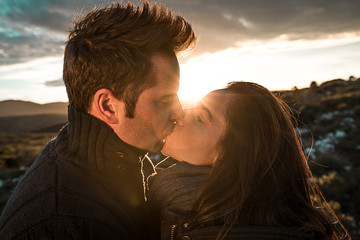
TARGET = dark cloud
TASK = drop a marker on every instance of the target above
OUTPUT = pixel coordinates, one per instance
(223, 23)
(38, 28)
(35, 29)
(26, 49)
(55, 83)
(51, 15)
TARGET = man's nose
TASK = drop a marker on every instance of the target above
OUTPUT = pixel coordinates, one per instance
(178, 112)
(187, 114)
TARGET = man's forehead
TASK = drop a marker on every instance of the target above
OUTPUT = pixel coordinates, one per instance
(169, 57)
(168, 87)
(162, 63)
(166, 72)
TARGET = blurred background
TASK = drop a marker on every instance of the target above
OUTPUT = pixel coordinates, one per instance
(307, 52)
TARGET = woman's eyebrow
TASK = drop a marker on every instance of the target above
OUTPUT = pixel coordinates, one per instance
(202, 106)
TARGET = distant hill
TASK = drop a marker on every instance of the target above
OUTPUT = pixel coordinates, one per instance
(334, 95)
(51, 129)
(337, 94)
(35, 123)
(12, 108)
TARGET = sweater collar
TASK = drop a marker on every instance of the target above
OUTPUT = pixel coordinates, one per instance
(93, 143)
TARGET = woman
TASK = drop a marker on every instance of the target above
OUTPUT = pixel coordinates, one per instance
(259, 185)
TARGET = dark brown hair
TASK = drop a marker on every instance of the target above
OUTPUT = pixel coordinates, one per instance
(112, 48)
(261, 176)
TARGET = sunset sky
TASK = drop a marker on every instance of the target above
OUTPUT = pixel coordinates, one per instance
(279, 44)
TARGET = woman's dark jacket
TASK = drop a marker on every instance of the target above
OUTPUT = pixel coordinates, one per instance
(85, 184)
(174, 189)
(183, 232)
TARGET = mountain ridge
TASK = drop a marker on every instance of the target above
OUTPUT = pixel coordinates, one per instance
(12, 108)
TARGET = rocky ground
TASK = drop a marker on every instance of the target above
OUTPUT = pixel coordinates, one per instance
(329, 127)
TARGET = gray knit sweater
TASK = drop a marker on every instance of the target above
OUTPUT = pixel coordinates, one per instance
(174, 189)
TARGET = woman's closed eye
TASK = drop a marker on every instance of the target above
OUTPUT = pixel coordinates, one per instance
(200, 116)
(199, 119)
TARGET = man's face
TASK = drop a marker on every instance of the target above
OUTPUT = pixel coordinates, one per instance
(156, 109)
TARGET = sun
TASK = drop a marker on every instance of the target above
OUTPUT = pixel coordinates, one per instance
(190, 93)
(196, 81)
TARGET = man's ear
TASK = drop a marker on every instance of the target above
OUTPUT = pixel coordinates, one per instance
(104, 106)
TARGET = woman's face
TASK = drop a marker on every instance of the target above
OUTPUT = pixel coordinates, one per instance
(194, 139)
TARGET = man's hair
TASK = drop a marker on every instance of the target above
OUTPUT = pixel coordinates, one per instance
(112, 48)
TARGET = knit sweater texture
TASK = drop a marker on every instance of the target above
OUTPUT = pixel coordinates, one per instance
(174, 189)
(86, 184)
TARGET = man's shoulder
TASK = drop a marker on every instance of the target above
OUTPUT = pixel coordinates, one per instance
(33, 197)
(45, 211)
(56, 188)
(24, 210)
(66, 227)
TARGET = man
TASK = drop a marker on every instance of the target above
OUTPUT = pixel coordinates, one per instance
(122, 76)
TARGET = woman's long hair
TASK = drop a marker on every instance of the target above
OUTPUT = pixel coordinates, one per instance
(261, 176)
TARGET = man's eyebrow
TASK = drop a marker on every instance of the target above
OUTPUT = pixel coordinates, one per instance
(202, 106)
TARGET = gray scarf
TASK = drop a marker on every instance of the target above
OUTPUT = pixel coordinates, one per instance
(174, 189)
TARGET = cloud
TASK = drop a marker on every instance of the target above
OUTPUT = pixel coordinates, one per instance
(24, 50)
(222, 24)
(54, 83)
(32, 29)
(47, 14)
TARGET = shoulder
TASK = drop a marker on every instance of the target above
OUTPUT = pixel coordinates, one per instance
(170, 168)
(32, 199)
(170, 172)
(243, 232)
(178, 173)
(61, 227)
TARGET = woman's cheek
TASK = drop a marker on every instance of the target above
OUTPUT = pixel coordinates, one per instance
(180, 139)
(198, 138)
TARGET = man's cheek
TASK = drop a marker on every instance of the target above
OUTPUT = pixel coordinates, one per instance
(163, 116)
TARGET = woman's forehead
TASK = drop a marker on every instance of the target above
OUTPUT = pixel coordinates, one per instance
(215, 98)
(216, 102)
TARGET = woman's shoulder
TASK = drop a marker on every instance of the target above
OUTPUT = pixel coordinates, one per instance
(170, 168)
(165, 163)
(184, 231)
